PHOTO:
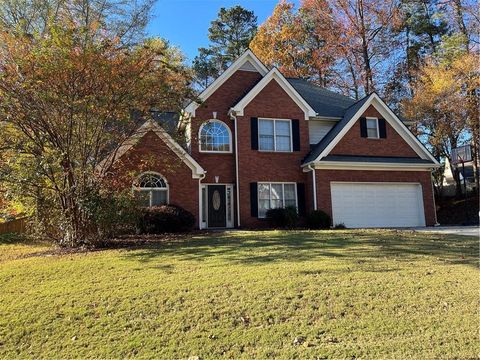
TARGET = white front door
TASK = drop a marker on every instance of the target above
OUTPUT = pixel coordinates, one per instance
(358, 205)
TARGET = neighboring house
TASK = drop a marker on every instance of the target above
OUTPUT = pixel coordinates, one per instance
(448, 184)
(259, 140)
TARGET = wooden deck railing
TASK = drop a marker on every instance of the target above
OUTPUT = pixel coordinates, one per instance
(14, 226)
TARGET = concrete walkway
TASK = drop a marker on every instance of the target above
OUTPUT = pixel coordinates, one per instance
(454, 230)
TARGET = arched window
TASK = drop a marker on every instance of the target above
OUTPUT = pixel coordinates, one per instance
(215, 136)
(151, 189)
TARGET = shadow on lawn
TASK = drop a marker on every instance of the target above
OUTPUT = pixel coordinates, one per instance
(295, 246)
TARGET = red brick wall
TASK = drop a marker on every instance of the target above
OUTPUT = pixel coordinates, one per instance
(257, 166)
(353, 144)
(227, 95)
(152, 154)
(324, 177)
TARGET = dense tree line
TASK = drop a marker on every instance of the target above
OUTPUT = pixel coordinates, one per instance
(419, 55)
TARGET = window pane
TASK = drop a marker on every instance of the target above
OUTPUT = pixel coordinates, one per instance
(263, 206)
(282, 127)
(265, 127)
(372, 128)
(159, 197)
(371, 123)
(265, 131)
(142, 198)
(229, 204)
(277, 196)
(372, 133)
(264, 191)
(263, 199)
(214, 136)
(266, 143)
(282, 130)
(283, 143)
(204, 204)
(289, 191)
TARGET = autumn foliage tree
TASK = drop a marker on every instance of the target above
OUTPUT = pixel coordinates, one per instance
(66, 99)
(445, 105)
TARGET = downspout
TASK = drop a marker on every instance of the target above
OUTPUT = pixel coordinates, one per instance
(200, 203)
(312, 169)
(237, 177)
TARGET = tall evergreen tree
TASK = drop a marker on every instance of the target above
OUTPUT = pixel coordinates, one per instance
(229, 34)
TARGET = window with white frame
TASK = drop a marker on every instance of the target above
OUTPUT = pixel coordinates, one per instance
(215, 136)
(274, 135)
(275, 195)
(151, 189)
(372, 128)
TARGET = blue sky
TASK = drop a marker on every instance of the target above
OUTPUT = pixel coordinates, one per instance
(185, 23)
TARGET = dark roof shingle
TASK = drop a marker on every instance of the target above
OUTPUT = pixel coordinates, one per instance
(325, 102)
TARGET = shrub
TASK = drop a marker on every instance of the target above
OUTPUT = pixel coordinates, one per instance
(165, 219)
(339, 226)
(318, 219)
(109, 214)
(283, 217)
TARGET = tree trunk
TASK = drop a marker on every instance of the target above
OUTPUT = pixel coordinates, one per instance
(365, 53)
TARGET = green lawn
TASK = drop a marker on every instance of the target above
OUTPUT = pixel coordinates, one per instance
(340, 294)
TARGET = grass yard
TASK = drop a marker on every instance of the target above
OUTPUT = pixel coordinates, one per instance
(329, 294)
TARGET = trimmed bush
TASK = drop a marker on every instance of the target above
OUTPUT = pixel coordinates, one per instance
(318, 219)
(283, 217)
(165, 219)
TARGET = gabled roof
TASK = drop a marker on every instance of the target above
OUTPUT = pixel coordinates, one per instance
(334, 131)
(247, 61)
(352, 114)
(275, 75)
(151, 125)
(326, 103)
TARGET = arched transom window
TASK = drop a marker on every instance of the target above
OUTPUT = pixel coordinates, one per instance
(151, 189)
(215, 136)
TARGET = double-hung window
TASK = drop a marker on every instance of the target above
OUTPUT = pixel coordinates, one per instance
(275, 195)
(372, 128)
(274, 135)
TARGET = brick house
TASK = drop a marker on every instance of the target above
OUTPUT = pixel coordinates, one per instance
(259, 140)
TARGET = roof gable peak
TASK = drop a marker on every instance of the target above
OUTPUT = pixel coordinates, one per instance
(246, 62)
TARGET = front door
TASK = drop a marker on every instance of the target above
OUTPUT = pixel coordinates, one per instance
(216, 206)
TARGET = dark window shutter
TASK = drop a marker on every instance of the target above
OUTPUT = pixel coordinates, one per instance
(254, 132)
(301, 199)
(254, 199)
(363, 127)
(296, 134)
(382, 129)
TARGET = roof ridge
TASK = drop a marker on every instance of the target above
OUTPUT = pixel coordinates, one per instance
(311, 83)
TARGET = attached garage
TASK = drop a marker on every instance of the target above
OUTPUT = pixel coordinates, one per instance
(359, 205)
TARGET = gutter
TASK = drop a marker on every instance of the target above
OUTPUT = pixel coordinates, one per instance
(237, 176)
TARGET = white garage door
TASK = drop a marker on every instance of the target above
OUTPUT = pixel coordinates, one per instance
(377, 204)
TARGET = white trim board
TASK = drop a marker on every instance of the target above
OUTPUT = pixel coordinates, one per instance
(392, 119)
(247, 56)
(150, 125)
(277, 76)
(344, 165)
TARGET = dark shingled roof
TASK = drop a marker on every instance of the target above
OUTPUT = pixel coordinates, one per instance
(325, 102)
(349, 113)
(167, 119)
(376, 159)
